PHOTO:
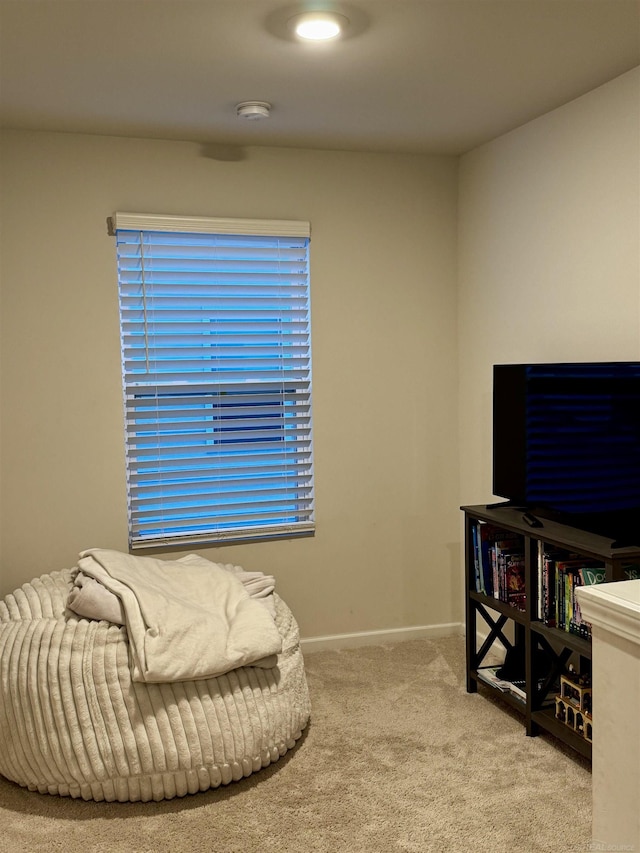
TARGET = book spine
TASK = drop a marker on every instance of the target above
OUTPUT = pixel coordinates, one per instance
(574, 620)
(587, 576)
(487, 533)
(475, 535)
(539, 578)
(560, 589)
(550, 616)
(514, 581)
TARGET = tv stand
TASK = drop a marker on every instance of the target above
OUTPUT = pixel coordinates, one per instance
(538, 653)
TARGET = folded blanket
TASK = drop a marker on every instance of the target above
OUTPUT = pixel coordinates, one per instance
(91, 599)
(257, 584)
(185, 619)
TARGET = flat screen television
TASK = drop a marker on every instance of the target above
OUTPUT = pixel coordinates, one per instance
(566, 443)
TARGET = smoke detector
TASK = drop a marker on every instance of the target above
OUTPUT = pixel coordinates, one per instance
(253, 110)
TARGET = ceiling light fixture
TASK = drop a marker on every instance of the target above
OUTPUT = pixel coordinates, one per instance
(253, 110)
(319, 26)
(319, 22)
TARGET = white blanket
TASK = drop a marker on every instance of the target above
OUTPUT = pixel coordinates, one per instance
(89, 599)
(185, 620)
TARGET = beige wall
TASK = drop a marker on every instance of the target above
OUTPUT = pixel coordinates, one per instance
(384, 347)
(549, 256)
(549, 253)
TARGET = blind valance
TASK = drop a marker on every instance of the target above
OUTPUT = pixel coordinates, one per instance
(206, 225)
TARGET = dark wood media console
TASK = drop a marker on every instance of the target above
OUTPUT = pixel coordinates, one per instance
(521, 618)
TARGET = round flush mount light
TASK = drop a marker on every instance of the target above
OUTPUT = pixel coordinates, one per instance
(253, 110)
(317, 21)
(318, 26)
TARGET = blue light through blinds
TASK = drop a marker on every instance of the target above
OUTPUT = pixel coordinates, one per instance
(216, 356)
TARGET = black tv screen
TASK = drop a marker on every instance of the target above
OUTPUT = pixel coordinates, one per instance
(566, 442)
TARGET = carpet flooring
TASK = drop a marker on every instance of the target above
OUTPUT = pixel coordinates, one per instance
(397, 757)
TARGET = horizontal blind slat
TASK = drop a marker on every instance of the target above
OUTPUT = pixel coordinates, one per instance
(148, 480)
(186, 504)
(209, 536)
(224, 517)
(192, 464)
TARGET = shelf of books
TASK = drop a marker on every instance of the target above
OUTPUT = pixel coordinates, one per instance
(521, 583)
(560, 573)
(499, 564)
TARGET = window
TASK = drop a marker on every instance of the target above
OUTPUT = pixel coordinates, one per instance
(216, 365)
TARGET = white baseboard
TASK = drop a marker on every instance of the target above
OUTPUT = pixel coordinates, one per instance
(376, 638)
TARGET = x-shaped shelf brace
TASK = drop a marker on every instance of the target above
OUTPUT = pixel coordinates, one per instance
(558, 661)
(495, 633)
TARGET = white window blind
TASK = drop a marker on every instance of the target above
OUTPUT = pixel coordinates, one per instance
(216, 362)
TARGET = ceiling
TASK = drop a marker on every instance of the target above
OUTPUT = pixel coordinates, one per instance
(423, 76)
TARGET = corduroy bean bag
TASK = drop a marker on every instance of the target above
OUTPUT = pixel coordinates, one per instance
(73, 723)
